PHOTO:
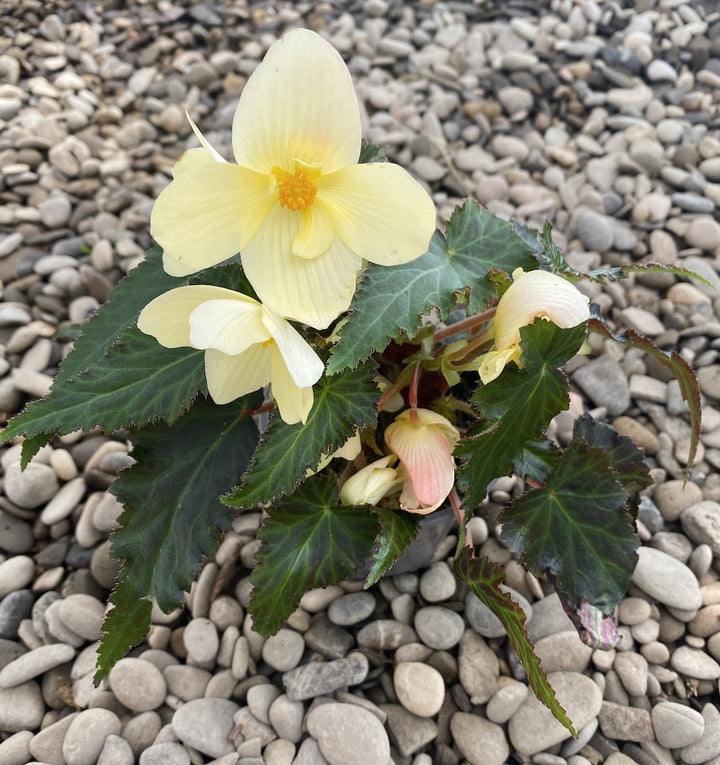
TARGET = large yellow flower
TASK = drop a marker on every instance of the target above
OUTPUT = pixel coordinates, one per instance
(247, 346)
(532, 295)
(296, 205)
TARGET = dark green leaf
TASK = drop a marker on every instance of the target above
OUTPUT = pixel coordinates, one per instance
(576, 529)
(135, 382)
(392, 300)
(307, 541)
(397, 530)
(551, 254)
(371, 152)
(676, 364)
(484, 578)
(626, 458)
(517, 406)
(537, 460)
(342, 404)
(173, 517)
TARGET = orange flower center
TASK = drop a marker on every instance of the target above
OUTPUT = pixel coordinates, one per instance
(296, 192)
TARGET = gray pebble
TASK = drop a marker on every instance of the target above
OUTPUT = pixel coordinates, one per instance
(116, 751)
(385, 635)
(205, 724)
(138, 684)
(283, 650)
(318, 678)
(352, 608)
(21, 707)
(34, 663)
(438, 583)
(439, 627)
(694, 663)
(31, 487)
(676, 725)
(348, 734)
(86, 734)
(605, 382)
(666, 579)
(15, 573)
(409, 732)
(167, 753)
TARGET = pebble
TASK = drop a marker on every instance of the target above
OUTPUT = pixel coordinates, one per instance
(15, 573)
(478, 668)
(618, 721)
(438, 627)
(676, 725)
(701, 522)
(533, 729)
(86, 734)
(318, 678)
(137, 684)
(605, 382)
(205, 724)
(409, 733)
(666, 579)
(419, 688)
(347, 734)
(480, 741)
(31, 487)
(694, 663)
(707, 746)
(352, 608)
(34, 663)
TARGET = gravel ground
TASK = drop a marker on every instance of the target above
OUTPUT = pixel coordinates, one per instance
(601, 116)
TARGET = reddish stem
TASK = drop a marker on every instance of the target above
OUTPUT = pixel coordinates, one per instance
(459, 515)
(412, 393)
(464, 324)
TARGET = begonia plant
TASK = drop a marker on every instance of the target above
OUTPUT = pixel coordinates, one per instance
(305, 342)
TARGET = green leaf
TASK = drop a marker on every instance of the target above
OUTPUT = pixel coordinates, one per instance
(626, 458)
(484, 578)
(307, 540)
(456, 266)
(144, 283)
(517, 406)
(537, 460)
(136, 381)
(550, 253)
(371, 152)
(397, 530)
(342, 404)
(173, 517)
(576, 529)
(676, 364)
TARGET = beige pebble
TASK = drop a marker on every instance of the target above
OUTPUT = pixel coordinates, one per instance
(419, 687)
(63, 464)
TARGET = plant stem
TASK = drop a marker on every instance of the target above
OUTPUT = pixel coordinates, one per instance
(468, 323)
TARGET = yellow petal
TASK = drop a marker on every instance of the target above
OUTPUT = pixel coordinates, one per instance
(313, 291)
(537, 294)
(230, 325)
(294, 402)
(379, 211)
(209, 212)
(229, 377)
(315, 233)
(303, 364)
(369, 485)
(204, 141)
(167, 317)
(175, 267)
(298, 104)
(192, 158)
(492, 363)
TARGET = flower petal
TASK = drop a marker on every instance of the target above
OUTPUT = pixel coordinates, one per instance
(379, 211)
(537, 294)
(175, 267)
(230, 325)
(167, 317)
(193, 158)
(313, 291)
(209, 213)
(369, 485)
(229, 377)
(294, 402)
(301, 361)
(315, 233)
(204, 141)
(492, 363)
(425, 453)
(298, 104)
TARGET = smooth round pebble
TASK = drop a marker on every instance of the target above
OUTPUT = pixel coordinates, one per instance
(86, 734)
(352, 608)
(348, 734)
(676, 725)
(283, 650)
(15, 573)
(505, 702)
(201, 640)
(480, 741)
(666, 579)
(137, 684)
(31, 487)
(116, 751)
(419, 687)
(34, 663)
(438, 583)
(694, 662)
(83, 614)
(21, 707)
(167, 753)
(205, 724)
(438, 627)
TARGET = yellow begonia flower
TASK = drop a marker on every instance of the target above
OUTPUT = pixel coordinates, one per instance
(247, 346)
(424, 442)
(532, 295)
(369, 485)
(296, 205)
